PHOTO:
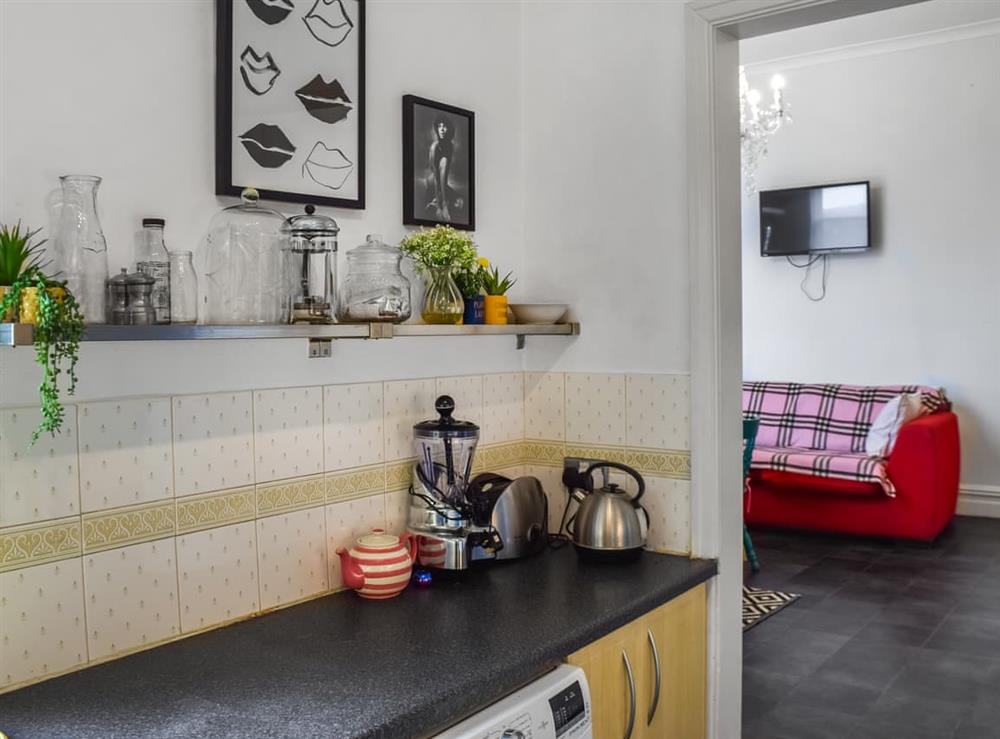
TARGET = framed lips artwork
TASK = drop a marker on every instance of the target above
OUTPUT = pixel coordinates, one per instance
(290, 99)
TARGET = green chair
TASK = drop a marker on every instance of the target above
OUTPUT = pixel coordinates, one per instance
(750, 426)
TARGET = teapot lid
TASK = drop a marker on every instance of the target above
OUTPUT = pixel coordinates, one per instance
(310, 224)
(444, 424)
(378, 539)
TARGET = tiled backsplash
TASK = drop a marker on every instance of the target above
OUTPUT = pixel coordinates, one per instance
(152, 518)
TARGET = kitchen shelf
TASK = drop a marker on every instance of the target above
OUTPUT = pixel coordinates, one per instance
(19, 334)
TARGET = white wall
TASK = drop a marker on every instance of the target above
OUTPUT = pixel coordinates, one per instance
(921, 123)
(126, 90)
(605, 203)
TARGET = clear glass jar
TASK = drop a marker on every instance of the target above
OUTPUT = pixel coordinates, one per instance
(443, 301)
(374, 288)
(183, 288)
(310, 264)
(240, 265)
(153, 259)
(81, 252)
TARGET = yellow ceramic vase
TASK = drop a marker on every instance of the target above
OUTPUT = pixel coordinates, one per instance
(29, 308)
(496, 310)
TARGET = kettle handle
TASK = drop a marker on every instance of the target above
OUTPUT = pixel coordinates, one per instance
(624, 468)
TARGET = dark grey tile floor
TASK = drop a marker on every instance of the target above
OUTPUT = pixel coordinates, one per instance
(889, 640)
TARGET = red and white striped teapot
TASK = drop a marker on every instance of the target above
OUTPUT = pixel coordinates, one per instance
(378, 566)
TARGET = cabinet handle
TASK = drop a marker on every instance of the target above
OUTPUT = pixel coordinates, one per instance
(631, 695)
(656, 678)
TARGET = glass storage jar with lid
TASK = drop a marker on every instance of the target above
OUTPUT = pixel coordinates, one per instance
(310, 248)
(375, 288)
(240, 263)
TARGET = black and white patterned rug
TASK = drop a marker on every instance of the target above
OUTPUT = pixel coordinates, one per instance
(759, 603)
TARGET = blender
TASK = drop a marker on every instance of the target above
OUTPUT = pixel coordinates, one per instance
(440, 514)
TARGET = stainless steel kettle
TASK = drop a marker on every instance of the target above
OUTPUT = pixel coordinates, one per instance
(609, 524)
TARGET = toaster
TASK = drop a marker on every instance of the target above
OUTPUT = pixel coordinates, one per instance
(517, 510)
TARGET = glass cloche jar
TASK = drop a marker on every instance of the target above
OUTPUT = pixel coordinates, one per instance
(241, 267)
(374, 288)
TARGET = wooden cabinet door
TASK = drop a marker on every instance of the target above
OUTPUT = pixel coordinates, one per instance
(680, 632)
(610, 687)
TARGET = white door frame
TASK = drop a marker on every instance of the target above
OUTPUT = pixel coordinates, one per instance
(713, 174)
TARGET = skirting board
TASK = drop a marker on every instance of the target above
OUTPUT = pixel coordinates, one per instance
(979, 500)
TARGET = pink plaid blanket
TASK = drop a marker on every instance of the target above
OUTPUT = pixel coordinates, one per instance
(820, 429)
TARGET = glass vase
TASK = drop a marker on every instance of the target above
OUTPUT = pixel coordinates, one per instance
(81, 253)
(443, 302)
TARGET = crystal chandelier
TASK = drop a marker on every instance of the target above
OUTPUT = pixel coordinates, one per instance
(758, 124)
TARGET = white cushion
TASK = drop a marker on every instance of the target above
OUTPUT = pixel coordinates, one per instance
(885, 428)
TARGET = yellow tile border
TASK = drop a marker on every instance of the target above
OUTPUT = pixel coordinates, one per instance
(495, 456)
(221, 508)
(543, 452)
(359, 482)
(295, 494)
(674, 464)
(34, 544)
(118, 527)
(399, 474)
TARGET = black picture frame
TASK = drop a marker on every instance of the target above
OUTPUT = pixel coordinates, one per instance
(224, 184)
(410, 185)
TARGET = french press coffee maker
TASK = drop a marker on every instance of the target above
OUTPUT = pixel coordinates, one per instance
(310, 256)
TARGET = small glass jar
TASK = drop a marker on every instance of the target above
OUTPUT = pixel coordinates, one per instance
(183, 288)
(374, 288)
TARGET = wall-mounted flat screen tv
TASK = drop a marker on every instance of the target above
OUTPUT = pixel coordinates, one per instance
(818, 219)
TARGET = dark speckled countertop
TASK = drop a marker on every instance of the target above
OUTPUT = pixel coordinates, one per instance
(342, 667)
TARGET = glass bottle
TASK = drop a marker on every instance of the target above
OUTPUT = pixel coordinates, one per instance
(183, 288)
(442, 299)
(153, 260)
(81, 252)
(374, 289)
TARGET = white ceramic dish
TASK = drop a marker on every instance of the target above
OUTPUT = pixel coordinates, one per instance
(539, 312)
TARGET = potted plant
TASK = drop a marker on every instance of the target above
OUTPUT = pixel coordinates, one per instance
(17, 254)
(470, 284)
(439, 252)
(496, 295)
(58, 322)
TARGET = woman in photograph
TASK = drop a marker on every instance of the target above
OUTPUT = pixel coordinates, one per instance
(441, 156)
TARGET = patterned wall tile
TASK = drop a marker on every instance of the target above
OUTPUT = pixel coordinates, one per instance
(669, 505)
(352, 426)
(468, 395)
(503, 400)
(345, 522)
(217, 570)
(550, 453)
(120, 526)
(131, 597)
(213, 442)
(544, 405)
(288, 432)
(24, 546)
(125, 453)
(398, 476)
(492, 457)
(41, 609)
(397, 509)
(672, 464)
(291, 550)
(40, 482)
(595, 408)
(658, 411)
(200, 512)
(291, 495)
(355, 483)
(551, 479)
(406, 402)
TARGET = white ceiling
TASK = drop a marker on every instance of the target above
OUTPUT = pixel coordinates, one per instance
(909, 20)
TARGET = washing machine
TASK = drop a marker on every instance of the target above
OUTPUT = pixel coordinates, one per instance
(555, 706)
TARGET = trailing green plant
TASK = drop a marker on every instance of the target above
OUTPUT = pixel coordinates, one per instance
(441, 246)
(494, 285)
(17, 252)
(57, 334)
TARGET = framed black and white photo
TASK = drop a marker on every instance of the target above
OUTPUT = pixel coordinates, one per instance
(290, 100)
(439, 164)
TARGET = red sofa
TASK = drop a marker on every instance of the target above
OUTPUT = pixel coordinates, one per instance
(923, 466)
